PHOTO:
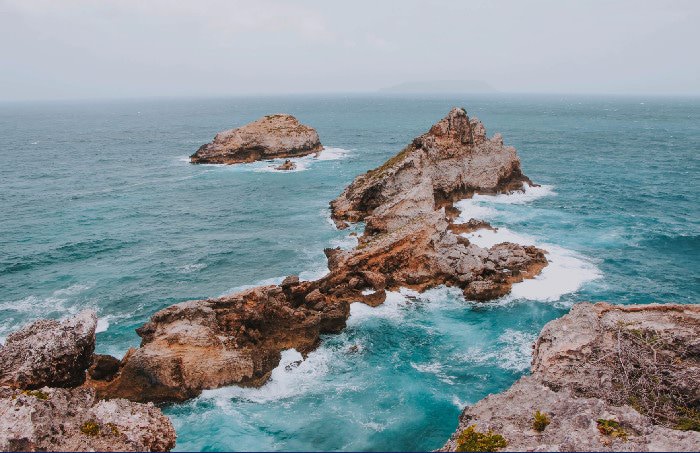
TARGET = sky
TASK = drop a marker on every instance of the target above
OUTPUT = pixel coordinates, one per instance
(87, 49)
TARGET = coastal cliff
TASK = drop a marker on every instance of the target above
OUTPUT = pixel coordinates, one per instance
(43, 406)
(408, 242)
(604, 378)
(270, 137)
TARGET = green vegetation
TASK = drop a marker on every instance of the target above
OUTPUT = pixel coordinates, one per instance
(689, 420)
(540, 421)
(38, 394)
(113, 428)
(611, 428)
(472, 440)
(90, 428)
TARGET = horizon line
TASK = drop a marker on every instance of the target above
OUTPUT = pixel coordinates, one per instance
(376, 93)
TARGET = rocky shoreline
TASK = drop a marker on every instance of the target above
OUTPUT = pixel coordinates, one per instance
(604, 378)
(44, 405)
(270, 137)
(406, 205)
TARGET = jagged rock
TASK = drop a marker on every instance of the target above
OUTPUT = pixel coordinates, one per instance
(609, 378)
(49, 353)
(452, 161)
(286, 166)
(51, 419)
(238, 339)
(272, 136)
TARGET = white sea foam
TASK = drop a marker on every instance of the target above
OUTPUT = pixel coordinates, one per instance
(392, 308)
(189, 268)
(479, 206)
(566, 272)
(56, 302)
(435, 368)
(528, 194)
(513, 351)
(293, 376)
(270, 166)
(330, 153)
(102, 324)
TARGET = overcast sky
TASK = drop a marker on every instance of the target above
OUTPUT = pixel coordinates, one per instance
(52, 49)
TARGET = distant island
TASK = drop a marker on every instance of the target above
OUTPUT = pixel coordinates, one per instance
(440, 86)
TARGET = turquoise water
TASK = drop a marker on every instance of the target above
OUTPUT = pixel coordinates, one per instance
(100, 209)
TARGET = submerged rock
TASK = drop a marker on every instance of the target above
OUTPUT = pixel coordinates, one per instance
(407, 242)
(49, 353)
(272, 136)
(287, 165)
(51, 419)
(604, 378)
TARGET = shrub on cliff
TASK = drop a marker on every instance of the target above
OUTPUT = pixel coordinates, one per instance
(472, 440)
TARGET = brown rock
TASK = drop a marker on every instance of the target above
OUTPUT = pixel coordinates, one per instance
(104, 367)
(272, 136)
(407, 242)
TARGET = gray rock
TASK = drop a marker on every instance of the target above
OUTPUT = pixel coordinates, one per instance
(49, 353)
(51, 419)
(581, 365)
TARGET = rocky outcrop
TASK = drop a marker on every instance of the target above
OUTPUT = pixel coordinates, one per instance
(51, 419)
(49, 353)
(453, 160)
(408, 242)
(272, 136)
(36, 415)
(604, 378)
(286, 166)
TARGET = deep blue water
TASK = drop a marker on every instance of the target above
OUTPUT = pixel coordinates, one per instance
(100, 209)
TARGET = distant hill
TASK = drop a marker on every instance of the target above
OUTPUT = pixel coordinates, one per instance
(441, 86)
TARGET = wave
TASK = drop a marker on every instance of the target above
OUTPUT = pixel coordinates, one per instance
(567, 270)
(513, 351)
(269, 166)
(293, 376)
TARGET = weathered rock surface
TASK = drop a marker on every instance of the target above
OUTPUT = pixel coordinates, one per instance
(408, 242)
(36, 417)
(52, 419)
(49, 353)
(453, 160)
(609, 378)
(272, 136)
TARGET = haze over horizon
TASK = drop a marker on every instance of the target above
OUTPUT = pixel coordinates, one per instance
(79, 49)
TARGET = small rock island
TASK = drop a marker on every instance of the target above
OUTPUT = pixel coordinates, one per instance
(270, 137)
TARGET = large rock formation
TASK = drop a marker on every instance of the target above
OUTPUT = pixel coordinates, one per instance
(49, 353)
(272, 136)
(604, 378)
(53, 419)
(37, 416)
(408, 242)
(453, 160)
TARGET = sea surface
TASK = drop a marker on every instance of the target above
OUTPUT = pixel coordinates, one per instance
(100, 208)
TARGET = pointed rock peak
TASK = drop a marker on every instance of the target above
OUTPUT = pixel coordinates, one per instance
(457, 128)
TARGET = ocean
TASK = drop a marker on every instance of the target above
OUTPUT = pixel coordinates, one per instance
(100, 208)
